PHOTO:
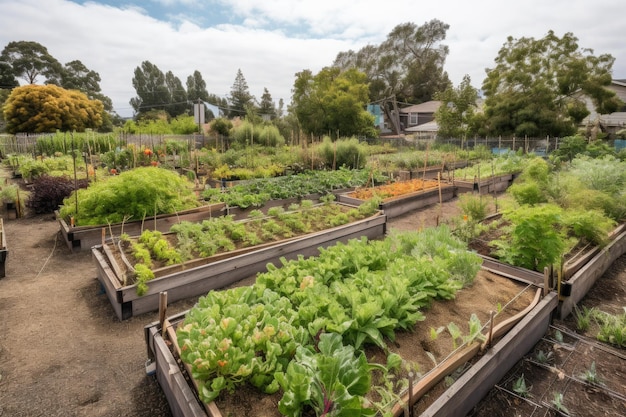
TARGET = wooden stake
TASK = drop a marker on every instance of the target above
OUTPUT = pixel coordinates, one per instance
(104, 234)
(162, 310)
(492, 315)
(546, 281)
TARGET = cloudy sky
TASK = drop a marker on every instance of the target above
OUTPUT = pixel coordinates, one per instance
(272, 40)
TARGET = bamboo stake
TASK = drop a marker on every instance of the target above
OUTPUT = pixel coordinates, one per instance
(492, 315)
(162, 310)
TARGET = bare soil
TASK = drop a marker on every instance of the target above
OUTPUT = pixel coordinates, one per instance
(64, 352)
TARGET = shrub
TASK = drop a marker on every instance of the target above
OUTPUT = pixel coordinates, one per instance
(135, 194)
(49, 192)
(474, 207)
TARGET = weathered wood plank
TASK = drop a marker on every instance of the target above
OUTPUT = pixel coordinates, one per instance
(85, 237)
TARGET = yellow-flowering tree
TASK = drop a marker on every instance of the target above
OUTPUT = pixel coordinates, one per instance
(48, 108)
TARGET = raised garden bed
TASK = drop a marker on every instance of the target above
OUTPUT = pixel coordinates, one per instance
(516, 335)
(432, 192)
(579, 273)
(202, 275)
(580, 282)
(429, 173)
(487, 185)
(85, 237)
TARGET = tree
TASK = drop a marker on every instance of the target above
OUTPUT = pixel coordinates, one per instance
(538, 87)
(266, 107)
(76, 76)
(38, 108)
(240, 96)
(152, 91)
(454, 116)
(7, 77)
(407, 66)
(333, 103)
(196, 88)
(30, 60)
(178, 95)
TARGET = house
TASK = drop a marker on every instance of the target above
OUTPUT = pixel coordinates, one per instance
(608, 123)
(418, 114)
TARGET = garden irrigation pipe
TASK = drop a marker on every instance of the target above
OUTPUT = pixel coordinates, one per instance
(447, 367)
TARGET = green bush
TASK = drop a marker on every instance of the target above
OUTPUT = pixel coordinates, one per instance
(132, 195)
(347, 153)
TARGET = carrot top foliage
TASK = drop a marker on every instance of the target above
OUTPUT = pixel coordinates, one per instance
(132, 195)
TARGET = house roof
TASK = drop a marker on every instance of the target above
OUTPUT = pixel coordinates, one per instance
(427, 107)
(425, 127)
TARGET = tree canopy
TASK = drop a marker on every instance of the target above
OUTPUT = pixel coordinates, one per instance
(456, 113)
(333, 103)
(407, 66)
(539, 86)
(31, 60)
(48, 108)
(266, 107)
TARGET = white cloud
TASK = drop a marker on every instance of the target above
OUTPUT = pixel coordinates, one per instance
(278, 38)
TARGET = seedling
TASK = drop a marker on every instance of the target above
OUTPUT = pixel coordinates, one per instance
(520, 388)
(543, 357)
(558, 403)
(591, 376)
(583, 318)
(434, 333)
(558, 336)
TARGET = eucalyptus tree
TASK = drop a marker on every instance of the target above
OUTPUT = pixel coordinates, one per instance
(406, 67)
(179, 104)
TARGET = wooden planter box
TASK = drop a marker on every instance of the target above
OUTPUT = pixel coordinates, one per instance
(428, 173)
(84, 237)
(487, 185)
(577, 286)
(217, 272)
(4, 251)
(459, 399)
(397, 206)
